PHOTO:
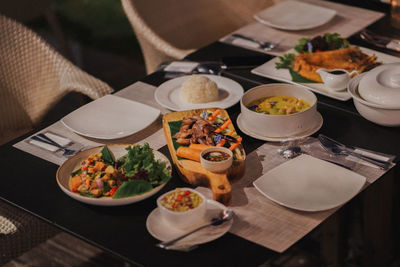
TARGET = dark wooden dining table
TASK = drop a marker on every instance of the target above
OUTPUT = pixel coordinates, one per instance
(29, 183)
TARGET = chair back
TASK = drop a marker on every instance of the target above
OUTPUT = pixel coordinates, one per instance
(171, 29)
(34, 77)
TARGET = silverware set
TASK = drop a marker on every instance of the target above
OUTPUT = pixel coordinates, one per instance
(262, 44)
(46, 140)
(337, 148)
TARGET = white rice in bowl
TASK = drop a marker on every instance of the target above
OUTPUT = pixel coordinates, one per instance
(198, 89)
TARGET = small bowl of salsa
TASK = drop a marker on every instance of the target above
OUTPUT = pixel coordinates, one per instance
(182, 208)
(216, 159)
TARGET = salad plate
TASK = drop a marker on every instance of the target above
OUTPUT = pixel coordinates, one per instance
(110, 117)
(318, 121)
(269, 70)
(163, 231)
(229, 93)
(118, 150)
(295, 16)
(309, 184)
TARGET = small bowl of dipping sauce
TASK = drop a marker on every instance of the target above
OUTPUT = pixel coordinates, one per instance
(216, 159)
(182, 208)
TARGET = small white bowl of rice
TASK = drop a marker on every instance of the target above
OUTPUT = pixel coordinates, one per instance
(198, 89)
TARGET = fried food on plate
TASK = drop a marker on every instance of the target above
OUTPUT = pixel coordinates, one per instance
(306, 64)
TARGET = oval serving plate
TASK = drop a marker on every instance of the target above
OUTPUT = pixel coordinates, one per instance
(65, 170)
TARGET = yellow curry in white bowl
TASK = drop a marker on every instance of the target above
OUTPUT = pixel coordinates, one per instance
(279, 105)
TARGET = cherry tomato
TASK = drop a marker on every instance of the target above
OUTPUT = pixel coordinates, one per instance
(112, 190)
(187, 192)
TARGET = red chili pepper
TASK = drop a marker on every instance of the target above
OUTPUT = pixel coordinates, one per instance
(74, 190)
(84, 168)
(187, 192)
(179, 197)
(112, 190)
(174, 205)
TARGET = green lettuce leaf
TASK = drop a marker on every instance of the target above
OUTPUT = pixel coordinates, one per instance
(298, 78)
(132, 188)
(107, 156)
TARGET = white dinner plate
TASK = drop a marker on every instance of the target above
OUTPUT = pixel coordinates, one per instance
(163, 231)
(309, 184)
(110, 117)
(229, 91)
(294, 15)
(268, 70)
(318, 121)
(118, 150)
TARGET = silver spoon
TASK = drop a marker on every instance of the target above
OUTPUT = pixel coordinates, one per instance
(294, 151)
(223, 216)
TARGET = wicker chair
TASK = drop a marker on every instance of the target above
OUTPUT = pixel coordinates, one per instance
(34, 77)
(171, 29)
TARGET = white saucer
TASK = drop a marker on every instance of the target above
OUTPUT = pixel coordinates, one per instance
(318, 121)
(160, 229)
(167, 94)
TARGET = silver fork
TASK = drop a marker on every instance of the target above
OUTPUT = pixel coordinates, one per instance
(44, 139)
(263, 45)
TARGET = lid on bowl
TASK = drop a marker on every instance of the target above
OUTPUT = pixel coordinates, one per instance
(381, 85)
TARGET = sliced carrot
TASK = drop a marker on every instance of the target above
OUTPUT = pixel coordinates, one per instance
(199, 146)
(188, 153)
(223, 126)
(231, 133)
(235, 145)
(215, 114)
(221, 143)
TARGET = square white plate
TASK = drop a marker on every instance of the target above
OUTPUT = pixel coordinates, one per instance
(268, 70)
(294, 15)
(110, 117)
(309, 184)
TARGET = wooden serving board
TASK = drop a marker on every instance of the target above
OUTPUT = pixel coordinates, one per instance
(193, 173)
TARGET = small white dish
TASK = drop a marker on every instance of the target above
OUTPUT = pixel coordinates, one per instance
(167, 94)
(318, 121)
(216, 166)
(295, 15)
(73, 163)
(382, 86)
(110, 117)
(268, 70)
(164, 232)
(183, 219)
(336, 79)
(309, 184)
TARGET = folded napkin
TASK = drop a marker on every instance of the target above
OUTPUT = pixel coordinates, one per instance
(56, 138)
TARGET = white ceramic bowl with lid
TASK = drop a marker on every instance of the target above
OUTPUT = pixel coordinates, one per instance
(381, 86)
(377, 113)
(278, 125)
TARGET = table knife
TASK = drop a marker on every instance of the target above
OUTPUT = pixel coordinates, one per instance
(335, 147)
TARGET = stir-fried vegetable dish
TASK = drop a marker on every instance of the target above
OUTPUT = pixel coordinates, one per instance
(137, 172)
(210, 128)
